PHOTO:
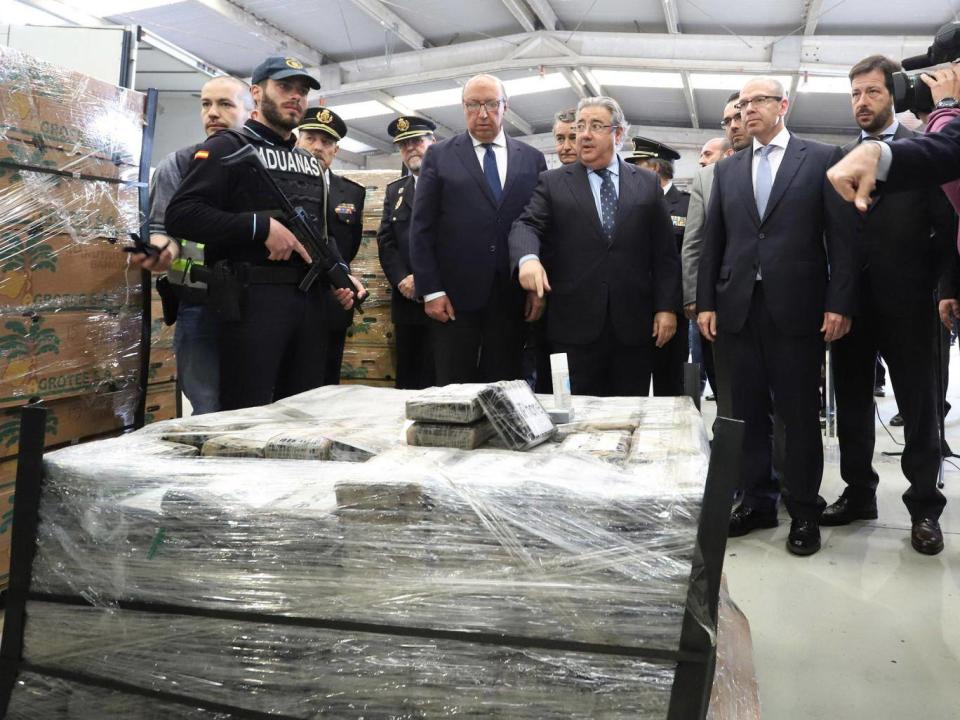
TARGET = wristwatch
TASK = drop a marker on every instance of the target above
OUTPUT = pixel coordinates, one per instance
(948, 102)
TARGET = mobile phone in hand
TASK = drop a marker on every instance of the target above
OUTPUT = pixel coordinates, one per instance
(139, 246)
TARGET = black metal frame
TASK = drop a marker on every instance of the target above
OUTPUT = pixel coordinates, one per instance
(146, 280)
(695, 657)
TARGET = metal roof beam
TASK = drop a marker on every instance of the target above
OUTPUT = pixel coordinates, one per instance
(828, 55)
(811, 16)
(393, 23)
(398, 107)
(285, 43)
(545, 13)
(522, 14)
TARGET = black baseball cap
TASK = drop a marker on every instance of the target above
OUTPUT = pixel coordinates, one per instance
(281, 68)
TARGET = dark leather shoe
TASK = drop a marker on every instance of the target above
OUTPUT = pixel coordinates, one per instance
(926, 537)
(878, 391)
(804, 538)
(711, 398)
(844, 511)
(745, 519)
(897, 420)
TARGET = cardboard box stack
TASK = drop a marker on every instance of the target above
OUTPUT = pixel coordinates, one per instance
(162, 368)
(70, 304)
(369, 357)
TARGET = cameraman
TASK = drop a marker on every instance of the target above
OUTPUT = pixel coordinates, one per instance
(912, 162)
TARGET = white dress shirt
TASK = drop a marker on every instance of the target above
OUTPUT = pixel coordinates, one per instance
(775, 157)
(499, 151)
(666, 188)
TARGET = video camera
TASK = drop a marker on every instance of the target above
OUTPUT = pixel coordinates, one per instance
(909, 91)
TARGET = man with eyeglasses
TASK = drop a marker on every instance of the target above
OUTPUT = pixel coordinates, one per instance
(777, 278)
(413, 136)
(597, 236)
(906, 238)
(737, 139)
(471, 188)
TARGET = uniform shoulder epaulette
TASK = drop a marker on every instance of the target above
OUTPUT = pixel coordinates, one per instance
(354, 182)
(396, 180)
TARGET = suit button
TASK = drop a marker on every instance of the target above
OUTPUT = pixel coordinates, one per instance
(493, 248)
(762, 236)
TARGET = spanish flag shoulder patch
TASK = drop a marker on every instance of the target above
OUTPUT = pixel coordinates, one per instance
(201, 155)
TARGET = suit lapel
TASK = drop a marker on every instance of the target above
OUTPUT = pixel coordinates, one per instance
(409, 188)
(743, 170)
(335, 194)
(902, 132)
(468, 156)
(576, 177)
(793, 157)
(626, 197)
(513, 165)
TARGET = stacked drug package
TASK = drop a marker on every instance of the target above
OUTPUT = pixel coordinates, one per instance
(419, 582)
(70, 303)
(369, 355)
(466, 416)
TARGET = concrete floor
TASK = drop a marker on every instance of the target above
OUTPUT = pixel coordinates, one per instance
(866, 628)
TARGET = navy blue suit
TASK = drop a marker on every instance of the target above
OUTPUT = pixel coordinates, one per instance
(770, 330)
(458, 245)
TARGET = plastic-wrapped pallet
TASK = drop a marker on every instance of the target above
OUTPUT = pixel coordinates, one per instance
(609, 446)
(546, 544)
(482, 541)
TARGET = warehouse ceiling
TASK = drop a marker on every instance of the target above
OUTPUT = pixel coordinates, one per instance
(671, 63)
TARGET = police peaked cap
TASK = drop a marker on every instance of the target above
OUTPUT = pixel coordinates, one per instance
(410, 126)
(647, 149)
(325, 120)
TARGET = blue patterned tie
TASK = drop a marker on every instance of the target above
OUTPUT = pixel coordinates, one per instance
(491, 172)
(608, 203)
(764, 179)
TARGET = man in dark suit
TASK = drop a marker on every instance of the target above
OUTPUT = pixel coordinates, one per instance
(597, 235)
(471, 189)
(914, 162)
(899, 262)
(764, 284)
(668, 361)
(413, 135)
(320, 134)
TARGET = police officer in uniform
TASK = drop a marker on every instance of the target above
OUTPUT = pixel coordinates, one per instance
(412, 135)
(320, 133)
(668, 360)
(273, 335)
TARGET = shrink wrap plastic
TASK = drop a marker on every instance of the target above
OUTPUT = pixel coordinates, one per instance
(543, 545)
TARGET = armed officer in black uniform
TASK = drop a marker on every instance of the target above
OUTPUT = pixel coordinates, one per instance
(412, 135)
(273, 334)
(668, 360)
(320, 134)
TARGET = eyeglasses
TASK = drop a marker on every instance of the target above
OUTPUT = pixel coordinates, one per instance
(725, 123)
(490, 106)
(756, 100)
(596, 127)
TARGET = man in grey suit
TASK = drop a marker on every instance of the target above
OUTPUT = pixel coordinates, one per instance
(737, 139)
(777, 278)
